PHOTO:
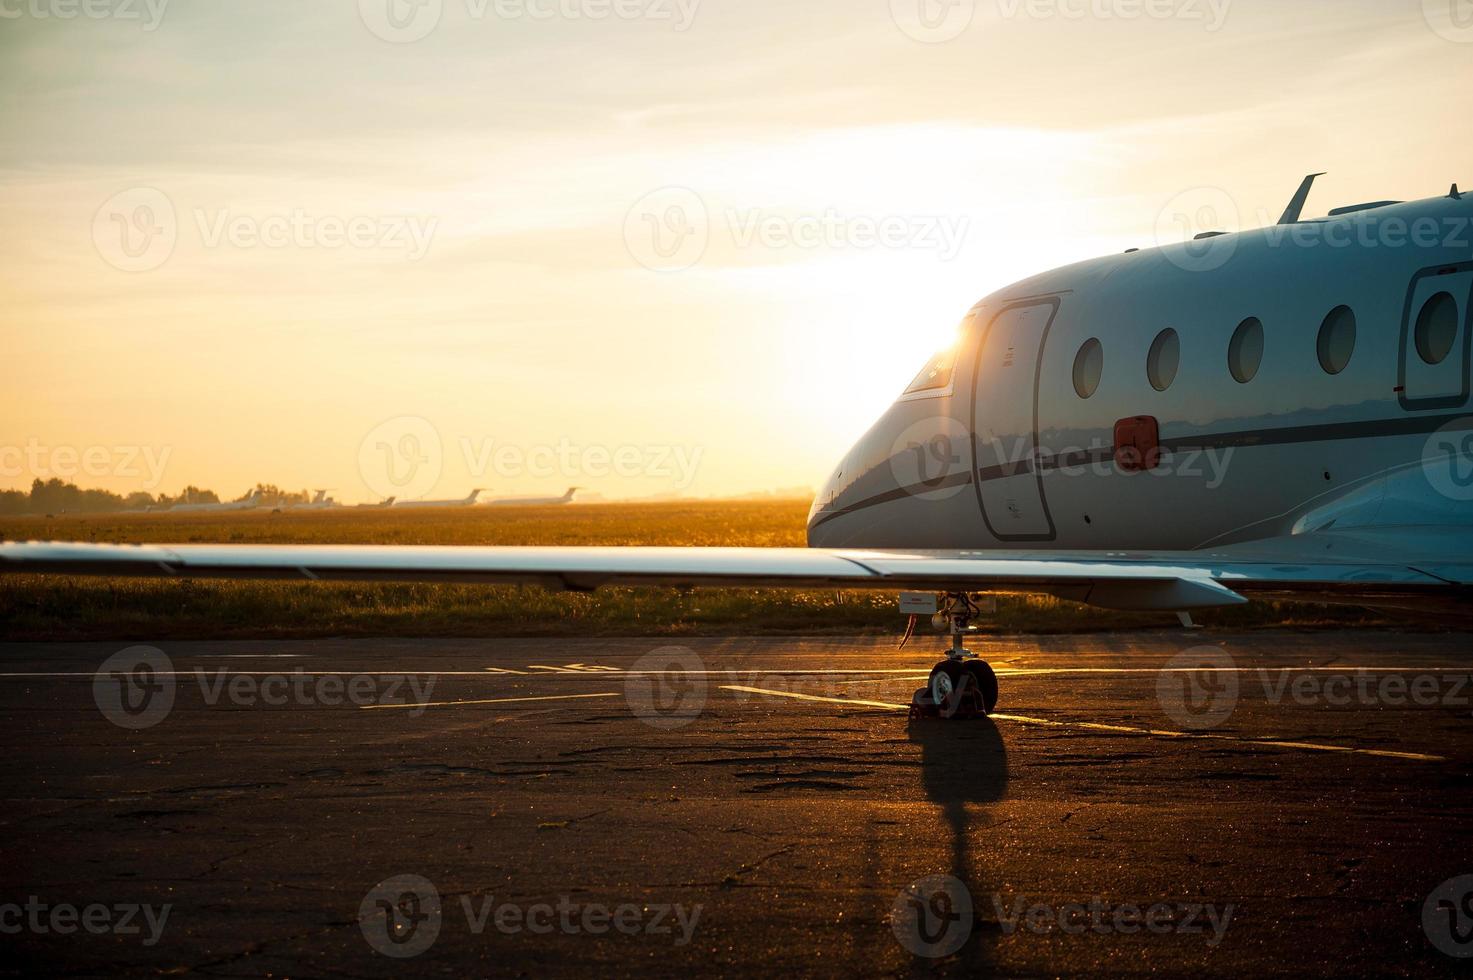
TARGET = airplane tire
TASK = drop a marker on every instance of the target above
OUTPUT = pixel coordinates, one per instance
(951, 687)
(984, 682)
(963, 689)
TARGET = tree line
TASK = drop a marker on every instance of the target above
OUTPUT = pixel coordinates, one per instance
(56, 496)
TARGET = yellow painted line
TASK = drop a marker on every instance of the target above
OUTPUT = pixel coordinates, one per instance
(1021, 671)
(813, 697)
(456, 704)
(1124, 729)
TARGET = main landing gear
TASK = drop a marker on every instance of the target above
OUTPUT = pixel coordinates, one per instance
(963, 685)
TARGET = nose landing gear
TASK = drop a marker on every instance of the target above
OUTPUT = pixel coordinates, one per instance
(963, 685)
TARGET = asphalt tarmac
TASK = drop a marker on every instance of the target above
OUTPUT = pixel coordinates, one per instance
(1170, 803)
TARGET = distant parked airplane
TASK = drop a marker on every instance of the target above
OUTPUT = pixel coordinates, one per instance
(320, 501)
(463, 502)
(566, 498)
(249, 503)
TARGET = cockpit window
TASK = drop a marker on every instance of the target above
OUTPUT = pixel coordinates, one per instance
(936, 375)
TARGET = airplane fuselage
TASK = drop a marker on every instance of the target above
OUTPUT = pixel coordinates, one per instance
(1195, 395)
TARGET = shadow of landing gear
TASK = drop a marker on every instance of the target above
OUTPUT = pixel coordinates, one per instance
(964, 765)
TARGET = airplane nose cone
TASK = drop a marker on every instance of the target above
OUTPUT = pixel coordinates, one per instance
(814, 541)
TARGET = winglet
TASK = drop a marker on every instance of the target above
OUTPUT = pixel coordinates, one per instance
(1301, 196)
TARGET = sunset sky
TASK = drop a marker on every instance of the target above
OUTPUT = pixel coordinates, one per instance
(693, 246)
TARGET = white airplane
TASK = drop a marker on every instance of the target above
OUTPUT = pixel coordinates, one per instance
(467, 501)
(386, 502)
(566, 498)
(1278, 413)
(251, 502)
(320, 501)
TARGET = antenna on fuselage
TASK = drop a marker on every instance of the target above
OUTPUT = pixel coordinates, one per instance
(1456, 195)
(1301, 196)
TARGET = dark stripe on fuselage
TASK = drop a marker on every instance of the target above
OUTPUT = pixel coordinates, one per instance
(1287, 436)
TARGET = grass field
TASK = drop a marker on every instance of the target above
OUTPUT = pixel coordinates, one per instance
(55, 607)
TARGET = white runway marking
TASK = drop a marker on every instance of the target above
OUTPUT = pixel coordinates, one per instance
(457, 704)
(550, 672)
(1123, 729)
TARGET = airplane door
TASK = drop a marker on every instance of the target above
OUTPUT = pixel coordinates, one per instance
(1436, 346)
(1005, 423)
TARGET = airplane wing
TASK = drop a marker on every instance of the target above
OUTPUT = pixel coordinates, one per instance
(1321, 565)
